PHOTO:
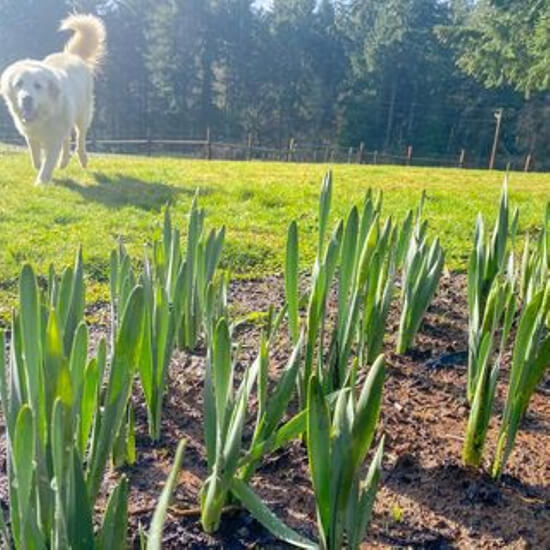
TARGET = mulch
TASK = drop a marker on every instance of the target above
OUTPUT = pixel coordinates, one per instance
(427, 499)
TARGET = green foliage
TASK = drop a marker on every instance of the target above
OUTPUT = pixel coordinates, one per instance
(492, 307)
(486, 268)
(505, 42)
(225, 414)
(66, 295)
(380, 291)
(535, 265)
(337, 446)
(156, 348)
(530, 360)
(363, 257)
(154, 538)
(224, 417)
(345, 258)
(124, 362)
(50, 401)
(181, 292)
(336, 449)
(372, 71)
(269, 434)
(499, 315)
(270, 521)
(184, 275)
(291, 280)
(421, 272)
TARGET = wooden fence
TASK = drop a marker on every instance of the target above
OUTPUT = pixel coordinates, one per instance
(207, 148)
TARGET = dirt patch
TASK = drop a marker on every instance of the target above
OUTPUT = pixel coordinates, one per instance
(427, 498)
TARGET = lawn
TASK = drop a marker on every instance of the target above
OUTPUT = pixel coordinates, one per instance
(122, 197)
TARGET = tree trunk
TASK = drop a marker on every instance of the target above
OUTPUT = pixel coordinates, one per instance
(412, 111)
(391, 112)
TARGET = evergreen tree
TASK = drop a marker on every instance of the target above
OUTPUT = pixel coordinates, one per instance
(389, 73)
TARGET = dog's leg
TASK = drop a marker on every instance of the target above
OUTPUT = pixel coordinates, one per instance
(52, 152)
(65, 153)
(34, 149)
(81, 145)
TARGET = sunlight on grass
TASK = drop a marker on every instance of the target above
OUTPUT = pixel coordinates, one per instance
(122, 197)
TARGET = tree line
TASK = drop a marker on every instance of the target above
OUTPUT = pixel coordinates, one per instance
(388, 73)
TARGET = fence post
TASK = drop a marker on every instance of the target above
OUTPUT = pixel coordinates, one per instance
(375, 157)
(249, 147)
(290, 147)
(462, 157)
(332, 156)
(360, 153)
(208, 150)
(327, 152)
(350, 154)
(498, 117)
(527, 165)
(409, 154)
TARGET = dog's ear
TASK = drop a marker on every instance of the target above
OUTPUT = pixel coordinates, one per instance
(53, 88)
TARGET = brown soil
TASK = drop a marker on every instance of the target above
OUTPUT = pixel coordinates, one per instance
(427, 498)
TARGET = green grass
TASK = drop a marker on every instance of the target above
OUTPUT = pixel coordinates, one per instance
(122, 197)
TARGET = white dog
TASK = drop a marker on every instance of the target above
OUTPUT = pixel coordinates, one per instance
(48, 98)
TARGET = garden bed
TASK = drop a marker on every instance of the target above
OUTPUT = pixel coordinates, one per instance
(427, 498)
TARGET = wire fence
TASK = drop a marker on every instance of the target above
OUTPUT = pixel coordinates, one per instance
(207, 148)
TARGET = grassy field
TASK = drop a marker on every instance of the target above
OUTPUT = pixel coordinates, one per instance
(123, 197)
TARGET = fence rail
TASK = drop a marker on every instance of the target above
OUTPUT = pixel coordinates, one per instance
(293, 152)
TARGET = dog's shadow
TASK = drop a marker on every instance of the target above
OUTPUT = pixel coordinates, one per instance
(119, 190)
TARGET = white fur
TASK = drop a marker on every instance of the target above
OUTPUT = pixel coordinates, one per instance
(48, 99)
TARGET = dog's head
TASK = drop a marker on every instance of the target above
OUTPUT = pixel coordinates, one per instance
(30, 89)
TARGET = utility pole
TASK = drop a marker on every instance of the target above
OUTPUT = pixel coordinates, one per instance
(498, 116)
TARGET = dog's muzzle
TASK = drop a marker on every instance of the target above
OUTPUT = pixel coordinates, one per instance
(28, 112)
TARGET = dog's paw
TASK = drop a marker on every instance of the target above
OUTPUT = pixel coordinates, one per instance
(64, 163)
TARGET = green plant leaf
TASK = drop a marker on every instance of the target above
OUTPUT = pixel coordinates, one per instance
(80, 525)
(125, 357)
(318, 448)
(222, 371)
(114, 529)
(367, 412)
(23, 459)
(154, 539)
(291, 280)
(270, 521)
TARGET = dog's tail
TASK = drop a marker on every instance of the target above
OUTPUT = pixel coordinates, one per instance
(88, 40)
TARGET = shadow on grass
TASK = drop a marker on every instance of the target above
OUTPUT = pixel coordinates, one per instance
(120, 190)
